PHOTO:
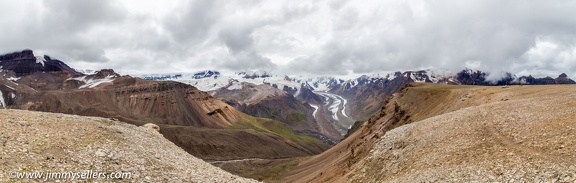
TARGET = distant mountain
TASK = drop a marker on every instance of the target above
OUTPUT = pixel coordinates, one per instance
(205, 74)
(25, 63)
(365, 93)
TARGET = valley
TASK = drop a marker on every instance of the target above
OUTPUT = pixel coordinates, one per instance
(335, 106)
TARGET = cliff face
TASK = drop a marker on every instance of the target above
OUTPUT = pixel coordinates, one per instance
(138, 101)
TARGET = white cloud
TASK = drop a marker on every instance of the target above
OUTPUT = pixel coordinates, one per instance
(315, 36)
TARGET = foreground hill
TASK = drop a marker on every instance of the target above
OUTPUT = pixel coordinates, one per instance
(49, 142)
(431, 132)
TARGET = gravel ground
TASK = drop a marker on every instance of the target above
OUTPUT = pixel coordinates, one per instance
(48, 142)
(521, 140)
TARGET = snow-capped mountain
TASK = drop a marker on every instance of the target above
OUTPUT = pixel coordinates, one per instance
(212, 80)
(204, 74)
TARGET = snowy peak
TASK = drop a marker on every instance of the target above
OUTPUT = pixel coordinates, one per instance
(206, 74)
(40, 59)
(25, 63)
(212, 80)
(94, 80)
(254, 74)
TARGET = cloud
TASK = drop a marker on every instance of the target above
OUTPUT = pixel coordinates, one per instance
(193, 22)
(319, 37)
(407, 35)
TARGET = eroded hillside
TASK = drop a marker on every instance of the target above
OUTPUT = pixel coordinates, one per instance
(457, 133)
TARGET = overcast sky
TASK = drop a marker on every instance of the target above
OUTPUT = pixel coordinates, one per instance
(535, 37)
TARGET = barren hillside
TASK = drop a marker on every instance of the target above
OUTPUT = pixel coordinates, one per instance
(430, 132)
(50, 142)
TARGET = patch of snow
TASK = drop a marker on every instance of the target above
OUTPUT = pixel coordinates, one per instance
(433, 77)
(315, 110)
(9, 87)
(91, 83)
(344, 101)
(13, 95)
(82, 78)
(86, 71)
(40, 59)
(13, 78)
(2, 100)
(335, 106)
(235, 86)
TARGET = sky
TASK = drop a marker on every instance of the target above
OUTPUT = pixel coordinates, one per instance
(325, 37)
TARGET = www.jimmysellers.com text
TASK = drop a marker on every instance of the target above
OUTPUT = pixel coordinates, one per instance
(82, 175)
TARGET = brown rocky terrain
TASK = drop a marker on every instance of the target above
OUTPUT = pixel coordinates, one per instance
(49, 142)
(431, 132)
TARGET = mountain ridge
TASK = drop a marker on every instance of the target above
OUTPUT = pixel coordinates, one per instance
(183, 112)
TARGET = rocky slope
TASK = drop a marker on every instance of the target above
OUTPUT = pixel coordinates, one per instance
(519, 134)
(523, 133)
(48, 142)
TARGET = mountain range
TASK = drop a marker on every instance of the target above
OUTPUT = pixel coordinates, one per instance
(321, 128)
(365, 95)
(199, 123)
